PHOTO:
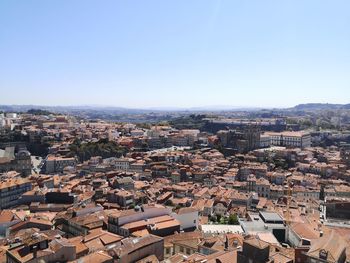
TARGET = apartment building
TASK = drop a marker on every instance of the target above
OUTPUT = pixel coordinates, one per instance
(126, 183)
(123, 164)
(120, 221)
(56, 164)
(123, 198)
(11, 190)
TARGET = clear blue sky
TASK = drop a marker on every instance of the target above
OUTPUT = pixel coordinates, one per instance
(180, 53)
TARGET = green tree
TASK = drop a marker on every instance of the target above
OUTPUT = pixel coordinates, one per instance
(169, 203)
(103, 148)
(212, 219)
(233, 219)
(223, 220)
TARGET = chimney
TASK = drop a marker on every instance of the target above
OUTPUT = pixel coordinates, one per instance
(226, 243)
(35, 251)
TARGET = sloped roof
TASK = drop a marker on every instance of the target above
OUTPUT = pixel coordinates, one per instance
(332, 244)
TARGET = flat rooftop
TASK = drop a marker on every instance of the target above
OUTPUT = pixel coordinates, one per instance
(258, 225)
(271, 217)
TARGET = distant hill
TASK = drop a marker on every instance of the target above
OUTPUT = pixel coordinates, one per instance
(70, 109)
(320, 106)
(110, 110)
(119, 110)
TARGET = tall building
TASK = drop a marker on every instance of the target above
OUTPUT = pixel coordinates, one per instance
(242, 140)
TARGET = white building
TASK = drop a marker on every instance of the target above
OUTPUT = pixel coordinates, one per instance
(123, 164)
(188, 218)
(262, 187)
(265, 141)
(298, 139)
(11, 115)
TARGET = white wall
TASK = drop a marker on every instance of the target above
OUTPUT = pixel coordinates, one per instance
(187, 220)
(293, 238)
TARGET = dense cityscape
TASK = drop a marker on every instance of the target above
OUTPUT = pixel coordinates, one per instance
(187, 131)
(224, 186)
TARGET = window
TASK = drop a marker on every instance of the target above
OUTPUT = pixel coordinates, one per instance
(188, 251)
(167, 251)
(181, 249)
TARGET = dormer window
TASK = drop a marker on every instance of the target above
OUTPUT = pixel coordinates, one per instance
(323, 254)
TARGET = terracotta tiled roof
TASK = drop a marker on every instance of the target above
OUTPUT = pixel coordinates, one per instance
(332, 244)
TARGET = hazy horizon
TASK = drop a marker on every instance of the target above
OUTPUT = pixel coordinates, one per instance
(182, 54)
(165, 108)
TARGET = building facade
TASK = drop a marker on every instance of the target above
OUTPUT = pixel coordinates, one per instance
(11, 190)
